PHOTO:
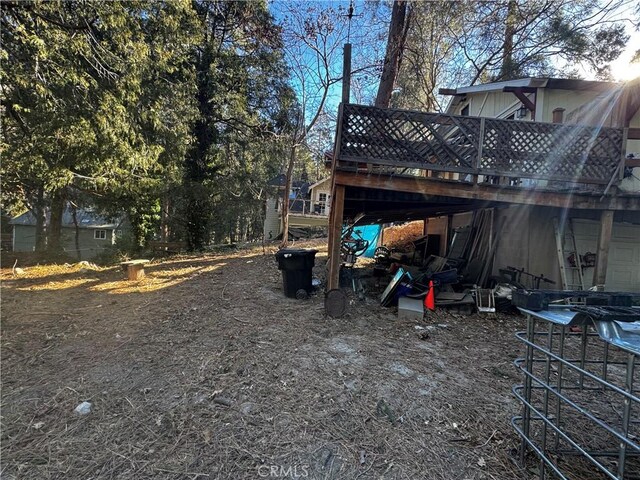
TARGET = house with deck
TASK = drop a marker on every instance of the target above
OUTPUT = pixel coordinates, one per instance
(555, 160)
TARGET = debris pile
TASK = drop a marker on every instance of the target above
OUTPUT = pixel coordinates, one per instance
(410, 274)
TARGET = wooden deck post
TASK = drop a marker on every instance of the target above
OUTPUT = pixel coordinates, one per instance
(602, 254)
(335, 228)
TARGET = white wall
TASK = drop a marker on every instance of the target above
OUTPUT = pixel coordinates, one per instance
(272, 220)
(500, 104)
(527, 240)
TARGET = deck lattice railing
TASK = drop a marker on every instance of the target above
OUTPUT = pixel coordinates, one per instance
(479, 146)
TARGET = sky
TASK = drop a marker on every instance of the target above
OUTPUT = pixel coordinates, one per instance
(622, 69)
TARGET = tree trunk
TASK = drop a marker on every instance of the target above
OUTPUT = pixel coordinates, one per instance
(164, 218)
(74, 215)
(398, 29)
(54, 240)
(41, 221)
(508, 68)
(285, 201)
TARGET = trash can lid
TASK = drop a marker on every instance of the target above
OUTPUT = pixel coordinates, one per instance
(294, 252)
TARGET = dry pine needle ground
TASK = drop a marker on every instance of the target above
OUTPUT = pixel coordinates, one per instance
(205, 370)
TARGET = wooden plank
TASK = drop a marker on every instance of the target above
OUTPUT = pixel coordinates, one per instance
(434, 187)
(337, 207)
(334, 162)
(140, 261)
(520, 94)
(625, 136)
(602, 254)
(558, 178)
(417, 165)
(480, 146)
(560, 251)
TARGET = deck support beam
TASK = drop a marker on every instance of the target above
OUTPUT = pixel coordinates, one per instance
(602, 255)
(489, 193)
(335, 236)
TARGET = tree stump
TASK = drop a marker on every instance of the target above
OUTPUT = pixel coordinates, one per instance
(135, 269)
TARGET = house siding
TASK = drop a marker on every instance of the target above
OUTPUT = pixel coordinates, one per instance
(24, 238)
(501, 104)
(570, 100)
(25, 241)
(495, 105)
(527, 240)
(271, 220)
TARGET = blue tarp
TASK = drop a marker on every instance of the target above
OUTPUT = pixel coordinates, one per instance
(370, 233)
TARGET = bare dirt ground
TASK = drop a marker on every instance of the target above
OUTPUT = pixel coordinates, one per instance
(205, 370)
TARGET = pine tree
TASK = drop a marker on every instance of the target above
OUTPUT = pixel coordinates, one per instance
(240, 86)
(74, 87)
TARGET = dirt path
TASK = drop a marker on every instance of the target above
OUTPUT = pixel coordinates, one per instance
(205, 370)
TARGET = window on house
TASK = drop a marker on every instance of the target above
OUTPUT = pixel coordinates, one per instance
(321, 207)
(100, 234)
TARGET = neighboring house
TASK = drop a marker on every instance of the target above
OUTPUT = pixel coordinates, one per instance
(308, 205)
(532, 149)
(320, 196)
(95, 233)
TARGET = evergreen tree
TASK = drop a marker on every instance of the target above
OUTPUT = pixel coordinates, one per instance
(241, 92)
(74, 81)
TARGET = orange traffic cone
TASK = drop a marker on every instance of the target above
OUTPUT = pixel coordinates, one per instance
(430, 299)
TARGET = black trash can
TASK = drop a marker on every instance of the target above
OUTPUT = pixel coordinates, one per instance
(297, 266)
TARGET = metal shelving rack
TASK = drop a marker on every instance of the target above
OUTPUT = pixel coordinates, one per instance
(580, 413)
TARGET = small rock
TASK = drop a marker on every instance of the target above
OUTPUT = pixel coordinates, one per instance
(222, 401)
(83, 409)
(246, 408)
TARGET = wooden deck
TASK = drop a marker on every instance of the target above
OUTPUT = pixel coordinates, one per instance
(477, 149)
(399, 164)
